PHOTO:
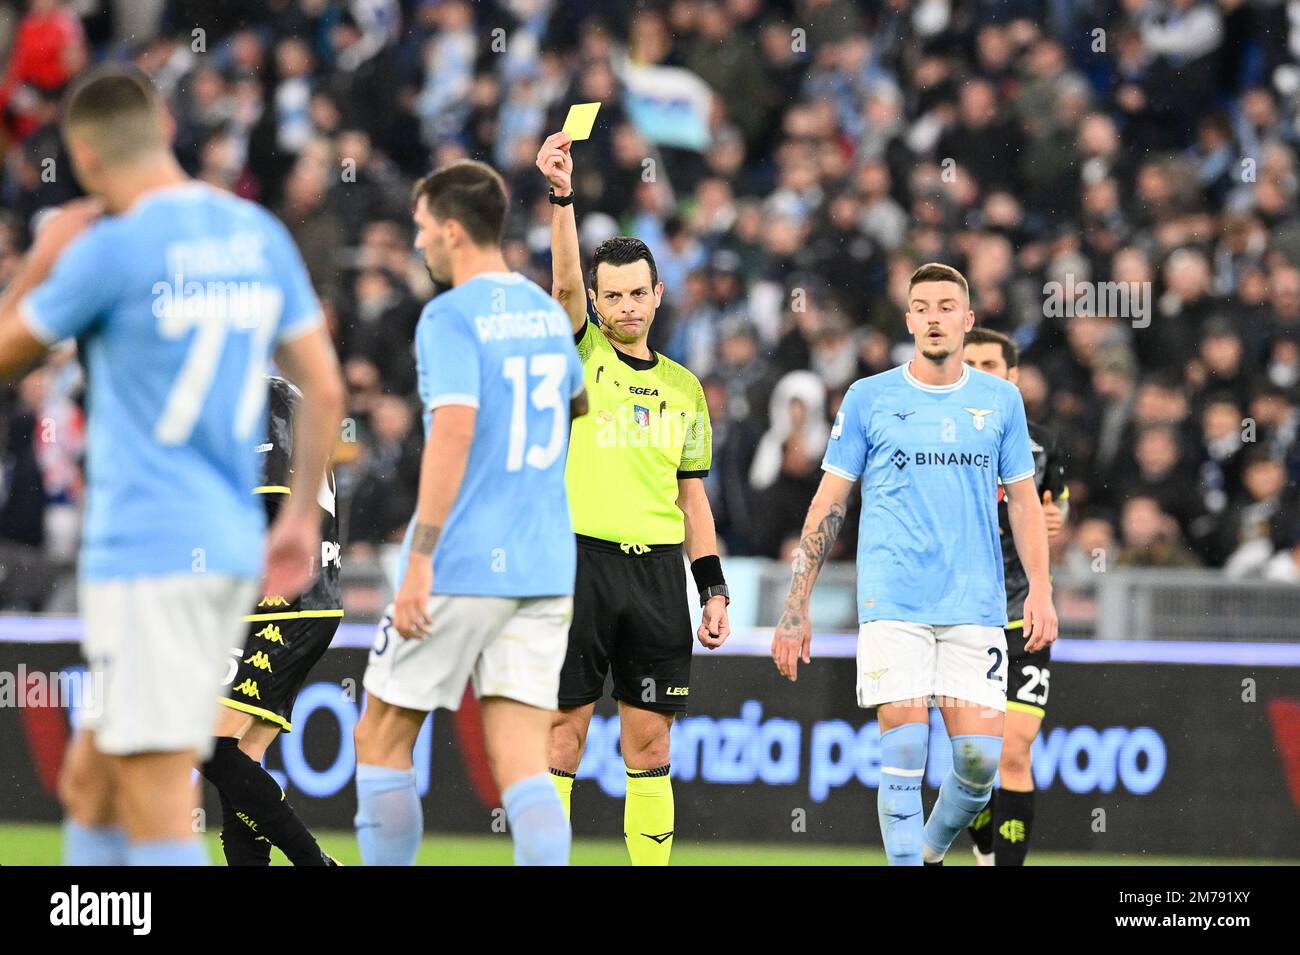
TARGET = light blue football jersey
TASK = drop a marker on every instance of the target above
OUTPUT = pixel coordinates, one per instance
(500, 344)
(176, 305)
(930, 459)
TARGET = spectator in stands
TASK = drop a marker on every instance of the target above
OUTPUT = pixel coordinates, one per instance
(988, 136)
(1150, 537)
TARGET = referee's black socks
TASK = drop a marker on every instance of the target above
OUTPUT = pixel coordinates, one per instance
(250, 790)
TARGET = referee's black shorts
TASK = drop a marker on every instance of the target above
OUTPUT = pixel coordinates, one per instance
(631, 617)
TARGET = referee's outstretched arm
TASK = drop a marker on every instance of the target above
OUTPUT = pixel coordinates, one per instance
(567, 284)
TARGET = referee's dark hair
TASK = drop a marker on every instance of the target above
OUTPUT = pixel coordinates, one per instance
(622, 250)
(472, 193)
(987, 336)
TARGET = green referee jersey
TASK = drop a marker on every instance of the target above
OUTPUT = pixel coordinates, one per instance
(647, 425)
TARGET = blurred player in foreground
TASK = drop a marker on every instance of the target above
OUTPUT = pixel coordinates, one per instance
(931, 441)
(486, 580)
(171, 551)
(283, 641)
(1002, 830)
(636, 474)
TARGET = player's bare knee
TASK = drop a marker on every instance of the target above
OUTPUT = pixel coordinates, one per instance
(1015, 758)
(85, 786)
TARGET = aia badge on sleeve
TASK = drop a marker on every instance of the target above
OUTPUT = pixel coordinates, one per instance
(641, 416)
(978, 415)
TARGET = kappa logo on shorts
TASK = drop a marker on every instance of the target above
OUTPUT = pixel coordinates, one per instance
(259, 660)
(274, 600)
(249, 688)
(270, 633)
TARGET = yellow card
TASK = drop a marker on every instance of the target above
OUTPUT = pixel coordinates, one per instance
(582, 116)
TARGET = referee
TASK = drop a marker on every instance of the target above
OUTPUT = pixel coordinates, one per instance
(636, 492)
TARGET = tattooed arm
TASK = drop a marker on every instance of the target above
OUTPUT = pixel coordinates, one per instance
(793, 637)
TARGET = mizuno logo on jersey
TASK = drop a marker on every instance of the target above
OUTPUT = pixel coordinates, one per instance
(903, 416)
(978, 414)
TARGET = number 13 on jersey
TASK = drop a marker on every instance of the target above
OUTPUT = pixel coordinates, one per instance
(547, 396)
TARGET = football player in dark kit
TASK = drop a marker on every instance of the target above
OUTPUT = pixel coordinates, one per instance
(1001, 832)
(285, 639)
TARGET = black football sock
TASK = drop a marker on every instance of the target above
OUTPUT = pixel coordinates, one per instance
(252, 791)
(239, 839)
(1013, 820)
(981, 830)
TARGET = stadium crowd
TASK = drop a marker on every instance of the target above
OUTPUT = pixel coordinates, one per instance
(1037, 145)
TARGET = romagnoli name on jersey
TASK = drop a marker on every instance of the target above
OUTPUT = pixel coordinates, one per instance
(533, 323)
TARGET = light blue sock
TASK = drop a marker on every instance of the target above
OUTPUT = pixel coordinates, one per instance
(167, 852)
(965, 791)
(537, 822)
(389, 819)
(902, 769)
(93, 845)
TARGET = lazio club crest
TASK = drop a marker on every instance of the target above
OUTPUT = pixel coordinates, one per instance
(641, 416)
(978, 415)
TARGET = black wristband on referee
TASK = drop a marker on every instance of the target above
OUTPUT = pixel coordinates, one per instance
(707, 572)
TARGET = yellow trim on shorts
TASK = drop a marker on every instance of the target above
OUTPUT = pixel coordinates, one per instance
(257, 711)
(1016, 625)
(271, 489)
(292, 615)
(1029, 708)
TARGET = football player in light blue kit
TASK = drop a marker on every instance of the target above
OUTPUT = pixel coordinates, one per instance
(487, 568)
(178, 295)
(931, 441)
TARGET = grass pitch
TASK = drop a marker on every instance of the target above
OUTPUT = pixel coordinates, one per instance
(41, 845)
